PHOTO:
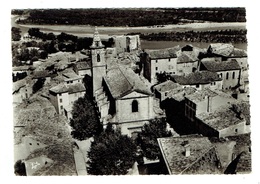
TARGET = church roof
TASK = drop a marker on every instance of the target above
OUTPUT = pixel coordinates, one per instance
(122, 81)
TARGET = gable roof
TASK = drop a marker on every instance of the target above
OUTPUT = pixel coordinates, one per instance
(180, 94)
(200, 77)
(124, 81)
(216, 66)
(41, 74)
(167, 86)
(70, 88)
(163, 53)
(201, 95)
(173, 149)
(222, 118)
(221, 49)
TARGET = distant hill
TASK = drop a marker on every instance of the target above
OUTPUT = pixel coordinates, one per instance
(130, 17)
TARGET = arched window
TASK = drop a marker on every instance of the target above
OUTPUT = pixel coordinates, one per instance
(134, 106)
(98, 58)
(233, 76)
(227, 76)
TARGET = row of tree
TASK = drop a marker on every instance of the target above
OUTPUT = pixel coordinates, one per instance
(132, 17)
(223, 36)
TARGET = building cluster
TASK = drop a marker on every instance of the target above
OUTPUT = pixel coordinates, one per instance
(206, 88)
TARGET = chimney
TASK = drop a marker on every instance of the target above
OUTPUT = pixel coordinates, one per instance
(186, 146)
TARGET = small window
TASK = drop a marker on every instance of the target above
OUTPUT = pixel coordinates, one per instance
(197, 85)
(98, 58)
(233, 76)
(134, 106)
(236, 130)
(60, 94)
(61, 107)
(169, 59)
(156, 61)
(156, 68)
(227, 76)
(61, 100)
(166, 93)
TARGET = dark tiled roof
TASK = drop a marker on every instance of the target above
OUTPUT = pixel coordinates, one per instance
(123, 81)
(60, 88)
(163, 53)
(83, 65)
(40, 74)
(173, 150)
(74, 88)
(216, 66)
(187, 57)
(201, 77)
(71, 76)
(244, 164)
(167, 86)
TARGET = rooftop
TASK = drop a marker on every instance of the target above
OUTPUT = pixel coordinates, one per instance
(163, 53)
(200, 77)
(216, 66)
(238, 53)
(70, 88)
(222, 118)
(221, 49)
(180, 94)
(122, 81)
(71, 76)
(40, 74)
(167, 86)
(201, 95)
(21, 68)
(83, 65)
(173, 149)
(18, 85)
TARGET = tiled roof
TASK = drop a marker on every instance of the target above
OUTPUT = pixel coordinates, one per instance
(71, 76)
(180, 94)
(167, 86)
(220, 119)
(18, 85)
(238, 53)
(74, 88)
(216, 66)
(123, 81)
(70, 88)
(60, 88)
(83, 65)
(244, 164)
(221, 49)
(20, 68)
(200, 95)
(163, 53)
(40, 74)
(173, 149)
(200, 77)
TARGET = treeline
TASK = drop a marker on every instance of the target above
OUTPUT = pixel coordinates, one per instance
(131, 17)
(223, 36)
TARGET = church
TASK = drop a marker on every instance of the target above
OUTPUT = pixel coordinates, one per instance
(122, 97)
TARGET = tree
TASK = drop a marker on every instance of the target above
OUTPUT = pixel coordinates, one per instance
(38, 84)
(84, 122)
(16, 34)
(147, 139)
(111, 153)
(19, 168)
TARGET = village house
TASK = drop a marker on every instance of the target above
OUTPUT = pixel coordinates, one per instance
(229, 71)
(199, 80)
(83, 68)
(21, 91)
(159, 61)
(63, 97)
(162, 90)
(127, 43)
(42, 75)
(189, 154)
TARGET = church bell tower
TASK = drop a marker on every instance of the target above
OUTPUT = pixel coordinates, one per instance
(98, 61)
